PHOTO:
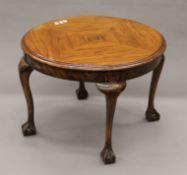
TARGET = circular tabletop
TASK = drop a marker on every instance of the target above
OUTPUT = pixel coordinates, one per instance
(93, 43)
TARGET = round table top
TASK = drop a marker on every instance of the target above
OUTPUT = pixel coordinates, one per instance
(93, 42)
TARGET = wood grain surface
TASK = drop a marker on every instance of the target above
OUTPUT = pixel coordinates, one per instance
(93, 43)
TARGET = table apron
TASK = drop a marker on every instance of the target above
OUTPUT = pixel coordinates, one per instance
(94, 76)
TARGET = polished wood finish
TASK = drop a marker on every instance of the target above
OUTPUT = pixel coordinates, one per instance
(105, 50)
(93, 43)
(81, 91)
(25, 70)
(151, 112)
(111, 92)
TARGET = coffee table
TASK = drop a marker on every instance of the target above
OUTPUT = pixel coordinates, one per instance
(105, 50)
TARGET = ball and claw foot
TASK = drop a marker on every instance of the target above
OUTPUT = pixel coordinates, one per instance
(152, 115)
(108, 156)
(81, 94)
(28, 129)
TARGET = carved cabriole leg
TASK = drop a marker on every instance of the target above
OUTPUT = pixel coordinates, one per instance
(151, 113)
(81, 91)
(25, 70)
(111, 92)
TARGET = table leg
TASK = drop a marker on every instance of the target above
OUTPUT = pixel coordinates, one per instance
(111, 92)
(81, 91)
(25, 70)
(151, 112)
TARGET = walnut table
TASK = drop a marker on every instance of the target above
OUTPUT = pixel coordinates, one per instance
(105, 50)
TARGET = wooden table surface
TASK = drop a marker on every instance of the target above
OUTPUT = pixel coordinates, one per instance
(93, 42)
